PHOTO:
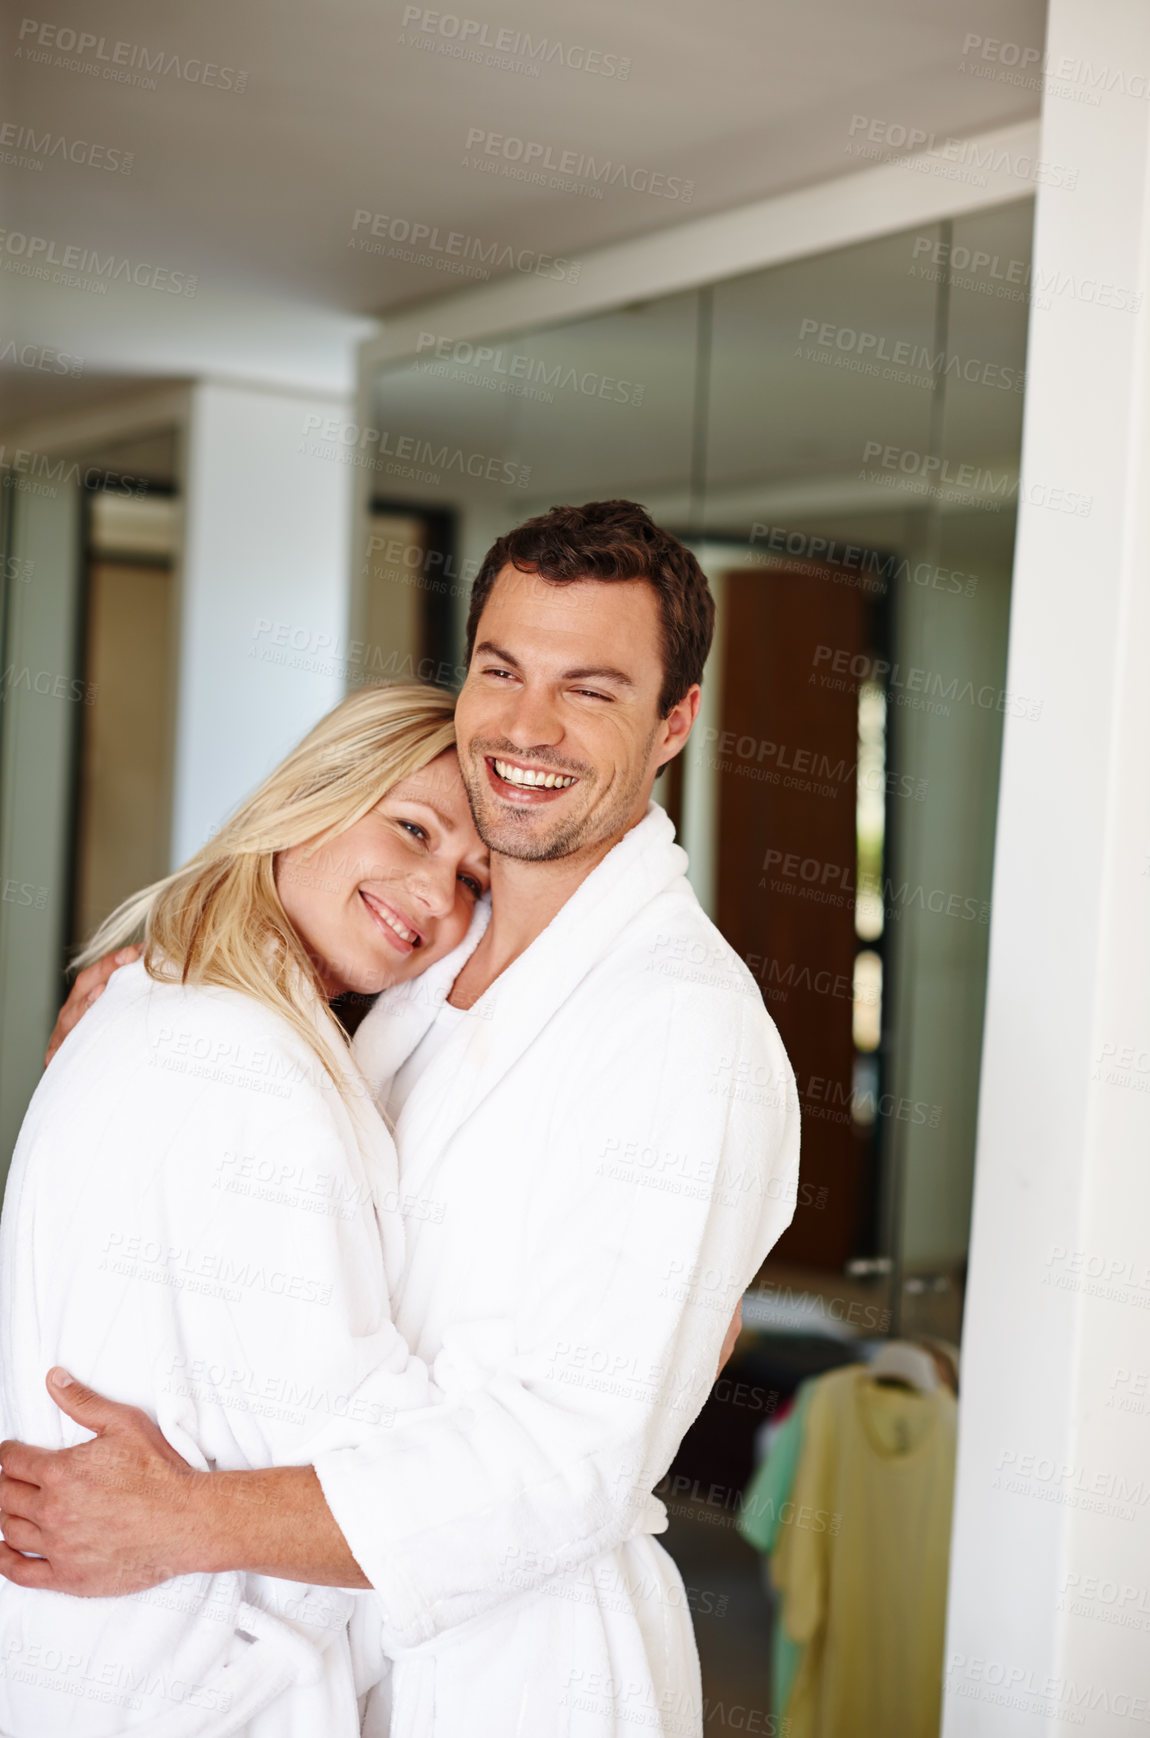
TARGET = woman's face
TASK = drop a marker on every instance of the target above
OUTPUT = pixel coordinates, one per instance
(382, 901)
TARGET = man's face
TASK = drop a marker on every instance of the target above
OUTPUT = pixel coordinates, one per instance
(558, 721)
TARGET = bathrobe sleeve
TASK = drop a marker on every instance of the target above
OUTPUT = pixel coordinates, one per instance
(662, 1164)
(206, 1248)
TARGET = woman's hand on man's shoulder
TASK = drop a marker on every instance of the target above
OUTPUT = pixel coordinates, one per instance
(85, 992)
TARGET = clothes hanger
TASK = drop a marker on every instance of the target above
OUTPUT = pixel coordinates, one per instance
(900, 1361)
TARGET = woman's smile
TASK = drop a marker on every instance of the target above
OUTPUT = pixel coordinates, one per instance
(402, 935)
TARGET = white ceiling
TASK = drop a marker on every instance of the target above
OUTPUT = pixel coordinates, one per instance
(771, 423)
(254, 194)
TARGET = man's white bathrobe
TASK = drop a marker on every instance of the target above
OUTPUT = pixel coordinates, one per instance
(596, 1160)
(197, 1223)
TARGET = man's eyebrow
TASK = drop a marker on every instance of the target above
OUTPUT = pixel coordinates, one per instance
(604, 672)
(489, 649)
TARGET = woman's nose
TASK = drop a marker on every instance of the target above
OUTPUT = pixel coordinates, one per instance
(433, 887)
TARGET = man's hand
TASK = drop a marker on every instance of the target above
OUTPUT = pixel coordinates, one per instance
(730, 1338)
(125, 1511)
(87, 990)
(107, 1517)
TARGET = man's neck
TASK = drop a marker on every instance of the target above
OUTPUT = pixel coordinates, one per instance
(525, 897)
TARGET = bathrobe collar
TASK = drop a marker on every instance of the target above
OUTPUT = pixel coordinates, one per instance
(399, 1018)
(513, 1012)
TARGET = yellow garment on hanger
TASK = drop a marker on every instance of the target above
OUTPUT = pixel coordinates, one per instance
(862, 1562)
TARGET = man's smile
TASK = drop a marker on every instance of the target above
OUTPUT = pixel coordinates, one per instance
(518, 782)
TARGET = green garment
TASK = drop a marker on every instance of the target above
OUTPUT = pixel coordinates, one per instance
(759, 1522)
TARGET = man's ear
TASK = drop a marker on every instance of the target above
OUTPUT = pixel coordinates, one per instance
(676, 727)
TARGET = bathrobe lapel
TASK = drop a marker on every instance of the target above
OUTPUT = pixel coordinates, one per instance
(512, 1014)
(399, 1018)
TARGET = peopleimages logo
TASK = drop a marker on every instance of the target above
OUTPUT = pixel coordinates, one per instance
(121, 62)
(403, 455)
(1019, 61)
(30, 255)
(912, 363)
(859, 667)
(453, 249)
(499, 369)
(1015, 279)
(929, 473)
(15, 140)
(43, 357)
(533, 157)
(880, 135)
(19, 463)
(468, 38)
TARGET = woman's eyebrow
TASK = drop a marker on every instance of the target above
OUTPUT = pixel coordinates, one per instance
(445, 821)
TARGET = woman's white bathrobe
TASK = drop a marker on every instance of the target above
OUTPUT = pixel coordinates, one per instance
(595, 1163)
(196, 1223)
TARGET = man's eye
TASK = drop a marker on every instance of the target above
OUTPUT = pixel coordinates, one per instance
(493, 671)
(593, 693)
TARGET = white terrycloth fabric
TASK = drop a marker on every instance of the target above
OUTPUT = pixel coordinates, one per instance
(595, 1163)
(197, 1224)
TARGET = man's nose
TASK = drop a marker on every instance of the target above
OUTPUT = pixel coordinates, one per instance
(532, 719)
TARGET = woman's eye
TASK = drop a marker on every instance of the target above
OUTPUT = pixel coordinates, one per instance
(415, 830)
(472, 885)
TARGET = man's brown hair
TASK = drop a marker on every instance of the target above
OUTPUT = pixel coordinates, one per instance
(608, 540)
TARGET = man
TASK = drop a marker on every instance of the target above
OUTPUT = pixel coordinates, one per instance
(596, 1167)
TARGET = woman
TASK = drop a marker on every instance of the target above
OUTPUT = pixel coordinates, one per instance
(203, 1217)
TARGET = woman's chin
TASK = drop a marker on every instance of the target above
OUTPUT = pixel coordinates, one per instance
(372, 970)
(382, 975)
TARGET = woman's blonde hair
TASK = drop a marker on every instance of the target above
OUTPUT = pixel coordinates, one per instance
(220, 920)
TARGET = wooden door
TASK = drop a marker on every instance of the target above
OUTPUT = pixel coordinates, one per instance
(787, 759)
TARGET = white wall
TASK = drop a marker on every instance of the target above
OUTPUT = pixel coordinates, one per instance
(265, 592)
(1050, 1581)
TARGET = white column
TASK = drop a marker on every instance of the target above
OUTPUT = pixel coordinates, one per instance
(41, 691)
(265, 590)
(1050, 1572)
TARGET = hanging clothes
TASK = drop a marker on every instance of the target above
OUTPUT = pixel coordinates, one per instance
(862, 1561)
(766, 1508)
